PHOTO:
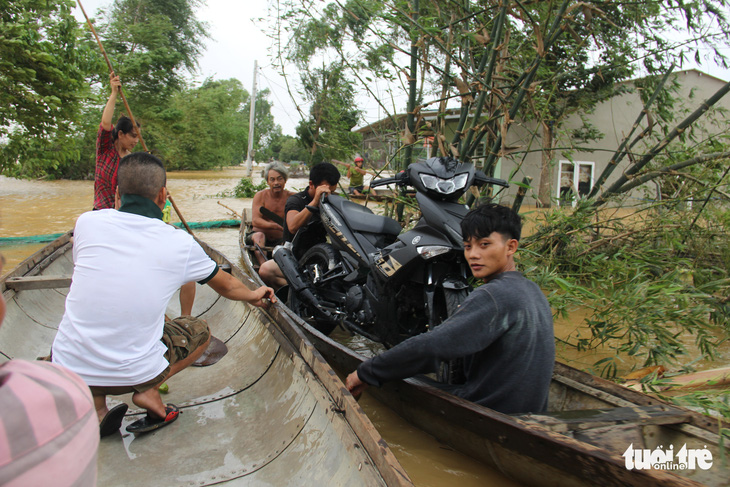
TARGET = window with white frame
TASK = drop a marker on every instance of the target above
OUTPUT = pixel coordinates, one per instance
(576, 180)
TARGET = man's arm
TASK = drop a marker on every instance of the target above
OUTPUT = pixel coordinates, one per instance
(355, 385)
(353, 167)
(107, 116)
(465, 333)
(297, 219)
(258, 220)
(229, 287)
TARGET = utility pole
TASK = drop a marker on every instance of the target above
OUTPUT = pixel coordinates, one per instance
(251, 118)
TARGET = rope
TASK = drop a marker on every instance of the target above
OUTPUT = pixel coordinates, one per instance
(53, 236)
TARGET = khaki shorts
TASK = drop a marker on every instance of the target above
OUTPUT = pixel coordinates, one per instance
(182, 336)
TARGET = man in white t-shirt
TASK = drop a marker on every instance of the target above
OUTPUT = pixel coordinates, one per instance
(127, 265)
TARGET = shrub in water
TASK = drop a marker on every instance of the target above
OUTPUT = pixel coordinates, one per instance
(244, 189)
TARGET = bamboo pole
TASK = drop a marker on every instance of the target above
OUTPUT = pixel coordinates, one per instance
(129, 110)
(521, 192)
(335, 161)
(626, 143)
(522, 86)
(630, 173)
(111, 70)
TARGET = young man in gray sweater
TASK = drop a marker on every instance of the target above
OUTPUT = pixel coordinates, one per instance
(503, 330)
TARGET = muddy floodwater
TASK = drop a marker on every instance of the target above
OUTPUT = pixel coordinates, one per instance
(29, 208)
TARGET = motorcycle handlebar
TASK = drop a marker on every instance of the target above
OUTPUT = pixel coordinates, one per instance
(400, 179)
(480, 179)
(498, 182)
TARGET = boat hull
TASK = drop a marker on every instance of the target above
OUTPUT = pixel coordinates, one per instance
(268, 413)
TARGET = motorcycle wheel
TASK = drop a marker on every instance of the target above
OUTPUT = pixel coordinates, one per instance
(451, 372)
(325, 258)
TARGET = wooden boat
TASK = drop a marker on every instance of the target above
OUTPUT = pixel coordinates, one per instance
(591, 428)
(270, 412)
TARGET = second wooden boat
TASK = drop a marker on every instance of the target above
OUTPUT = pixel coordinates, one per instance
(591, 435)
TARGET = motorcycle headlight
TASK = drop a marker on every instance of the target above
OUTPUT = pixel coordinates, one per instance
(431, 251)
(444, 186)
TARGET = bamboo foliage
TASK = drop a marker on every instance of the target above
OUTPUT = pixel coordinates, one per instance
(486, 57)
(622, 151)
(647, 276)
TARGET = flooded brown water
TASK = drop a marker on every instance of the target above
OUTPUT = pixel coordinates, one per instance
(46, 207)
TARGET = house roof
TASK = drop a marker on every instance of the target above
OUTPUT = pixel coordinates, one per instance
(398, 120)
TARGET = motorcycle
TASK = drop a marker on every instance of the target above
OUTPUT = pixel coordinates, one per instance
(374, 279)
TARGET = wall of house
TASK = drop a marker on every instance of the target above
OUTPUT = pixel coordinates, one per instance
(615, 118)
(576, 170)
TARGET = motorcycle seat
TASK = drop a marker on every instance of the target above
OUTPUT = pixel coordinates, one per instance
(362, 219)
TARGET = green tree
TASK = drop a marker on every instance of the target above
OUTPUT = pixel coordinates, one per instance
(152, 44)
(49, 63)
(44, 61)
(292, 149)
(327, 132)
(592, 78)
(491, 58)
(205, 127)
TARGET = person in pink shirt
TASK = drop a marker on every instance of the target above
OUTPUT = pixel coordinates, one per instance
(49, 432)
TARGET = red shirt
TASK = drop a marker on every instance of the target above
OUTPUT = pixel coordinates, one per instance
(105, 175)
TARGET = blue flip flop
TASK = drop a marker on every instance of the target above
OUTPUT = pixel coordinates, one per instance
(113, 420)
(150, 423)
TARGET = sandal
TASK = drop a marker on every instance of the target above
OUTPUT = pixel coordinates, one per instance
(150, 423)
(113, 420)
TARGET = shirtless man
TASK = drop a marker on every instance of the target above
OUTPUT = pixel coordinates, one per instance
(273, 199)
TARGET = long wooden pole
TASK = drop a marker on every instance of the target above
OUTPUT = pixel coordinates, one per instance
(251, 121)
(129, 110)
(335, 161)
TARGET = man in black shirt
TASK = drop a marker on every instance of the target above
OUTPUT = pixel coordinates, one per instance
(503, 330)
(323, 179)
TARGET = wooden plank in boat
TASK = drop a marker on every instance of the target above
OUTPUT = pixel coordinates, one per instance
(564, 421)
(37, 282)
